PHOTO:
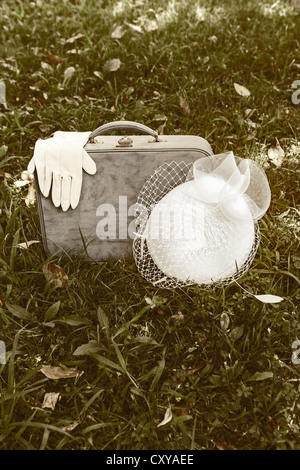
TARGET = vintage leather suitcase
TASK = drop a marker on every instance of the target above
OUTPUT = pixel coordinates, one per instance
(102, 227)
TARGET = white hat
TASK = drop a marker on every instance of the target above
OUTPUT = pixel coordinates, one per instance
(197, 223)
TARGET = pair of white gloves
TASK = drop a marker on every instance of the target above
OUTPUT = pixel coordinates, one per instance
(59, 162)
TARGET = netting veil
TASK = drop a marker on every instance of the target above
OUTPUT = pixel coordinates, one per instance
(197, 223)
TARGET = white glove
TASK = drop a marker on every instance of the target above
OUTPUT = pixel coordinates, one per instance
(59, 161)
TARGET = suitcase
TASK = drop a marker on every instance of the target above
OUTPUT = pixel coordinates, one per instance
(102, 226)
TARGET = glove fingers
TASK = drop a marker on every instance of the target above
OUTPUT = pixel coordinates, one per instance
(88, 163)
(75, 192)
(66, 193)
(40, 162)
(47, 183)
(56, 190)
(31, 166)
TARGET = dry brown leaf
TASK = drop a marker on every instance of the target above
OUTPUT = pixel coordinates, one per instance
(55, 59)
(161, 129)
(241, 90)
(167, 418)
(4, 175)
(56, 275)
(56, 373)
(45, 128)
(198, 367)
(69, 427)
(50, 400)
(179, 318)
(185, 408)
(276, 155)
(220, 445)
(184, 105)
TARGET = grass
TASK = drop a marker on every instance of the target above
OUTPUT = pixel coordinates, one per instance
(230, 386)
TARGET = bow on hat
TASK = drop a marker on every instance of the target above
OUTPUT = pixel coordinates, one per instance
(239, 187)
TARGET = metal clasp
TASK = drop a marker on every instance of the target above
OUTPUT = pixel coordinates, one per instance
(125, 142)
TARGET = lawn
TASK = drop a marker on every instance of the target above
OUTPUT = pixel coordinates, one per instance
(218, 361)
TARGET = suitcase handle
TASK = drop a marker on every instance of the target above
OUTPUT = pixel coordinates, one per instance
(123, 125)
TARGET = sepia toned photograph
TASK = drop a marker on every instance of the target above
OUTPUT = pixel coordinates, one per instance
(150, 228)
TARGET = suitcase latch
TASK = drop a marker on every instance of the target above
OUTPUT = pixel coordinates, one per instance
(125, 142)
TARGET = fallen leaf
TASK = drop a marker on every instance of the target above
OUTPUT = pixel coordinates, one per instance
(185, 408)
(150, 25)
(46, 128)
(112, 65)
(220, 445)
(26, 245)
(98, 74)
(179, 318)
(3, 94)
(134, 27)
(56, 275)
(250, 123)
(38, 85)
(184, 105)
(269, 299)
(31, 196)
(47, 67)
(241, 90)
(74, 38)
(196, 368)
(20, 183)
(213, 39)
(68, 72)
(236, 333)
(167, 418)
(26, 176)
(118, 32)
(88, 348)
(161, 129)
(56, 373)
(224, 321)
(261, 376)
(55, 59)
(70, 426)
(3, 150)
(5, 176)
(247, 112)
(50, 400)
(276, 155)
